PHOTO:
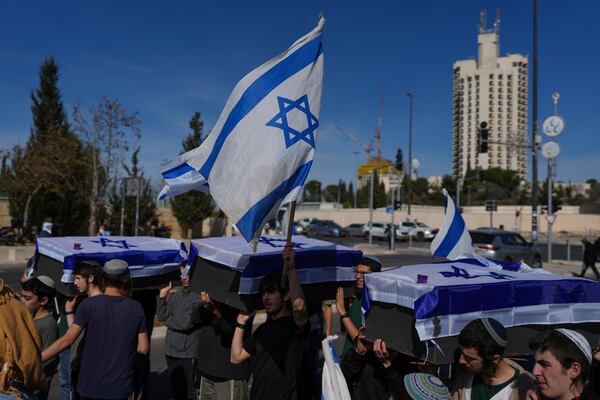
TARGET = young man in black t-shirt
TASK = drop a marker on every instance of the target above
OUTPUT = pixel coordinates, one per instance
(278, 346)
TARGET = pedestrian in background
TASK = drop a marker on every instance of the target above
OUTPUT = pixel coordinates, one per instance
(590, 255)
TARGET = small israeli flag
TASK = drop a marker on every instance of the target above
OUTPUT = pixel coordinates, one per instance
(260, 151)
(453, 239)
(334, 386)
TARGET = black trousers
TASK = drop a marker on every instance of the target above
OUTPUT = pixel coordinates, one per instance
(591, 265)
(182, 377)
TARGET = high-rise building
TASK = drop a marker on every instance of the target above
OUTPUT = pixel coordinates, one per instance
(490, 93)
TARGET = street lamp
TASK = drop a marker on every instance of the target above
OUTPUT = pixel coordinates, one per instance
(409, 186)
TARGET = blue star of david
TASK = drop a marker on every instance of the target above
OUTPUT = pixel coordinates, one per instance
(291, 135)
(121, 244)
(273, 242)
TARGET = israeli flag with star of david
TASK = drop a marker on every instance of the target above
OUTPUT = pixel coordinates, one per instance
(260, 151)
(453, 239)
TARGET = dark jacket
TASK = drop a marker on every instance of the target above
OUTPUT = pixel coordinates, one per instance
(214, 351)
(367, 379)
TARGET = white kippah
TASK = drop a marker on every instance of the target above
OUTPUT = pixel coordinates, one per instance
(579, 341)
(115, 267)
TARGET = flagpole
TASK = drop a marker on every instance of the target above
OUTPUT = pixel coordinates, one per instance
(288, 241)
(290, 226)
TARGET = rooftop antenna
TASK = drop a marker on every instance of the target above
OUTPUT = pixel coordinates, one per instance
(497, 23)
(481, 21)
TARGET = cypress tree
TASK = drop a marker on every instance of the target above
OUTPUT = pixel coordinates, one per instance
(193, 207)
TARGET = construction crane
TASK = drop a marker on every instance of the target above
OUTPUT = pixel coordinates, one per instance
(366, 148)
(378, 129)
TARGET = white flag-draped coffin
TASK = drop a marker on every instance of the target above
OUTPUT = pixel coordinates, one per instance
(146, 256)
(421, 309)
(445, 296)
(260, 151)
(231, 272)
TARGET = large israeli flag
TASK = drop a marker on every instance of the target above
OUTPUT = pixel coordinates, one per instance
(261, 149)
(453, 239)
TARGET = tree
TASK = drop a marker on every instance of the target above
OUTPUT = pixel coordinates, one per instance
(193, 207)
(349, 199)
(37, 187)
(49, 116)
(312, 191)
(147, 209)
(380, 198)
(105, 129)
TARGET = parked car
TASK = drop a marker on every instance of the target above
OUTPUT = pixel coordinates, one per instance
(420, 231)
(356, 229)
(305, 222)
(380, 230)
(325, 228)
(507, 246)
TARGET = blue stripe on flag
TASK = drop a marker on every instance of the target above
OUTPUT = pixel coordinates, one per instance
(365, 307)
(334, 355)
(259, 89)
(177, 171)
(254, 217)
(458, 299)
(265, 264)
(453, 235)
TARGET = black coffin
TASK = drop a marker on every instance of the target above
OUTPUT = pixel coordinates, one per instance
(396, 326)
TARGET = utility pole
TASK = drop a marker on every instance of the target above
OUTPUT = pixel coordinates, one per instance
(535, 139)
(552, 127)
(371, 206)
(409, 186)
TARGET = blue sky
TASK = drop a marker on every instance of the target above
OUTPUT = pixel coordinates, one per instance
(170, 59)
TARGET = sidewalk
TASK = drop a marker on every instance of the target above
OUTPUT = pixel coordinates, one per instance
(16, 254)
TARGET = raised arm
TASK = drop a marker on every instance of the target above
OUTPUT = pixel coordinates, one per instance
(238, 354)
(351, 330)
(296, 295)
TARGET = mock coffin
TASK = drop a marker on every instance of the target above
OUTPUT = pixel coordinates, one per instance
(428, 305)
(227, 268)
(152, 261)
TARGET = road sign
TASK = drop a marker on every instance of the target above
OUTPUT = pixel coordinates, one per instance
(491, 205)
(388, 209)
(132, 186)
(550, 150)
(553, 125)
(551, 219)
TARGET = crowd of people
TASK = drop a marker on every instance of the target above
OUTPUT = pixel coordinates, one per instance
(214, 351)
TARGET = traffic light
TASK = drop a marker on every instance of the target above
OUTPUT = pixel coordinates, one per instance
(397, 204)
(482, 138)
(399, 160)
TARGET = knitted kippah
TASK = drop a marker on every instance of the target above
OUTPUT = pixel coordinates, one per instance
(496, 330)
(425, 387)
(580, 341)
(115, 267)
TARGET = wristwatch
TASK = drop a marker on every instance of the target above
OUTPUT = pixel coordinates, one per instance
(69, 312)
(241, 326)
(345, 316)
